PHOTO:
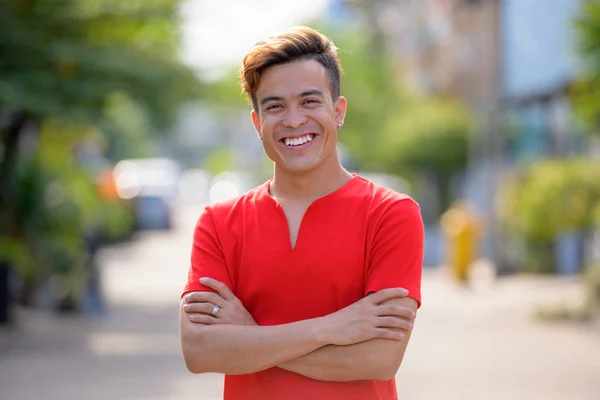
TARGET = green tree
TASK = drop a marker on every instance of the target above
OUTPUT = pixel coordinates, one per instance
(390, 129)
(219, 160)
(373, 97)
(586, 90)
(567, 190)
(75, 64)
(66, 60)
(430, 136)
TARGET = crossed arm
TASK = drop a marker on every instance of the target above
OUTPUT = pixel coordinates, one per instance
(377, 359)
(366, 340)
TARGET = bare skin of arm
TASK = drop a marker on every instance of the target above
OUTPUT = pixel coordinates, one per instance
(377, 359)
(243, 349)
(370, 335)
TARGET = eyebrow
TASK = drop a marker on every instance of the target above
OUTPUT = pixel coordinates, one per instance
(303, 94)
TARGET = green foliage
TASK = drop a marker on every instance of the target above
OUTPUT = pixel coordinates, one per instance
(64, 59)
(596, 215)
(373, 98)
(220, 160)
(551, 197)
(546, 199)
(43, 217)
(586, 91)
(429, 135)
(226, 93)
(116, 220)
(587, 28)
(55, 207)
(390, 129)
(128, 130)
(71, 65)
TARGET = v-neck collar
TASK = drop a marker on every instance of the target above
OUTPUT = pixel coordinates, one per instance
(264, 191)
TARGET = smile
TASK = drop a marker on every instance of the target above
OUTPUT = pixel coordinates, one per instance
(298, 141)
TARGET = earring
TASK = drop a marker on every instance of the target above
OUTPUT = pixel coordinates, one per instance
(339, 126)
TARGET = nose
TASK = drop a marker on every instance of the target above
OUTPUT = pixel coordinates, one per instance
(294, 118)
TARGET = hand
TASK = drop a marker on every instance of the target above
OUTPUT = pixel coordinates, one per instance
(200, 306)
(369, 319)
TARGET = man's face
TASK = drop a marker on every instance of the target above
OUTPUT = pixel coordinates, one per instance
(297, 118)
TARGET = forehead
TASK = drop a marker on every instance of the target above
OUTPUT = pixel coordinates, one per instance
(293, 78)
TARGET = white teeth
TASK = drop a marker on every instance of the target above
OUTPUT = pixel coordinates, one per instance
(297, 141)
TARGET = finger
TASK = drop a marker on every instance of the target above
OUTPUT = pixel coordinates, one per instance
(205, 297)
(388, 294)
(396, 311)
(219, 287)
(384, 333)
(393, 322)
(203, 308)
(203, 319)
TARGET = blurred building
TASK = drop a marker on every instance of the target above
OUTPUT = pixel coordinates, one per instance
(511, 61)
(513, 57)
(538, 64)
(449, 48)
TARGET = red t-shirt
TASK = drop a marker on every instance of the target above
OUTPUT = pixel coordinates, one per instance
(359, 239)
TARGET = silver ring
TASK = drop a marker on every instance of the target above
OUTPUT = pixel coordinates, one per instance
(215, 310)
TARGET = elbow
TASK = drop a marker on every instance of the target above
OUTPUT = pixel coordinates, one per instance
(192, 361)
(193, 366)
(194, 369)
(387, 371)
(193, 356)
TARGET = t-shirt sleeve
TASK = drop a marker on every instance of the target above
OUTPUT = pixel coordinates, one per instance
(207, 259)
(396, 258)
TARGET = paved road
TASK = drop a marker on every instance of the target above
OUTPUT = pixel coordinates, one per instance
(480, 343)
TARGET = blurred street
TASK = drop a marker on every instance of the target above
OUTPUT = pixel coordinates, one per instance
(478, 343)
(116, 117)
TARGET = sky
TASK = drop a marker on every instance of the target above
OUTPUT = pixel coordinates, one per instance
(217, 33)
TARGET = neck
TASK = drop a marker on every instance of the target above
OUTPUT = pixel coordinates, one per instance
(309, 185)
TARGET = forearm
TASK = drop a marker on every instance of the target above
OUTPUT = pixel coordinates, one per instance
(361, 361)
(377, 359)
(235, 349)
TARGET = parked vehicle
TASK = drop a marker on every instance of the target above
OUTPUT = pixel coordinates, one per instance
(152, 185)
(230, 184)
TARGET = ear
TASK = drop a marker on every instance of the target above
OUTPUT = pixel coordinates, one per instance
(256, 122)
(340, 110)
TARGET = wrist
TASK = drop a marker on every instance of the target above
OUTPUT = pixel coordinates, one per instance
(322, 332)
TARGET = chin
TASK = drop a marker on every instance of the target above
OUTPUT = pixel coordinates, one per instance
(300, 167)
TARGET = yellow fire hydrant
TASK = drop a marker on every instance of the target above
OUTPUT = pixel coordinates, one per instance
(461, 229)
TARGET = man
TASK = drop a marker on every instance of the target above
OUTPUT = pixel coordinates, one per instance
(307, 286)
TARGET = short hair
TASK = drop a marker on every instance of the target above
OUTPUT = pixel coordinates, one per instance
(295, 44)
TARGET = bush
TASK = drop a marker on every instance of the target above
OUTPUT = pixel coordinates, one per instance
(549, 198)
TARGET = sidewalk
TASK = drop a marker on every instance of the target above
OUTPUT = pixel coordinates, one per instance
(484, 342)
(478, 343)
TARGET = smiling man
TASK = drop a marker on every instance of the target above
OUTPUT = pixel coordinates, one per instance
(307, 286)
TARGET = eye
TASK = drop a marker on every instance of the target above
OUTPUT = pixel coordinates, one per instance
(273, 107)
(311, 102)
